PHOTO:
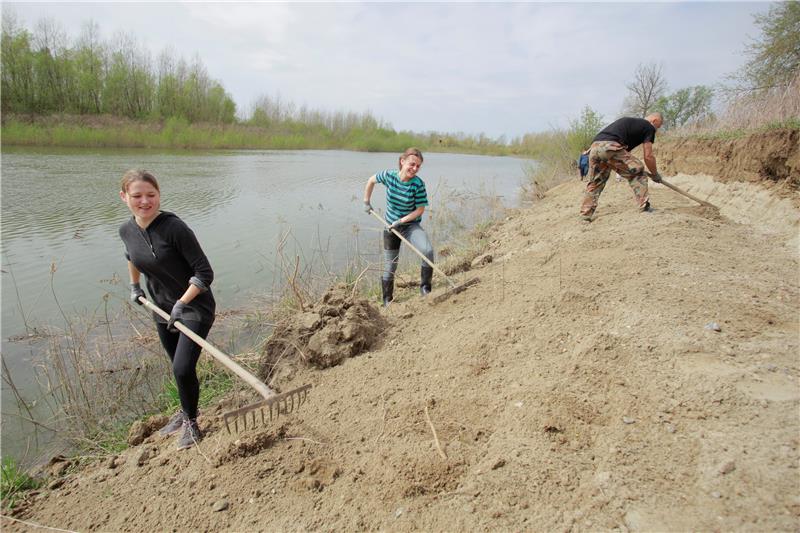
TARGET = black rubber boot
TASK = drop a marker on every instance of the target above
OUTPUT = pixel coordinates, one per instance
(387, 291)
(425, 276)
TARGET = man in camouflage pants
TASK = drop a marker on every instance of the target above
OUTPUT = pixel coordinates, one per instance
(610, 150)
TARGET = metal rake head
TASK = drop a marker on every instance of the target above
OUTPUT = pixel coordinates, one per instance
(266, 410)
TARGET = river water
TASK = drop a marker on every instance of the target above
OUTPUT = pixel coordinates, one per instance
(61, 211)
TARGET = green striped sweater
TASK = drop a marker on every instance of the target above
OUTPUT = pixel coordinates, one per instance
(402, 197)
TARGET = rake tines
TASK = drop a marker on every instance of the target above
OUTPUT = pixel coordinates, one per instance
(283, 403)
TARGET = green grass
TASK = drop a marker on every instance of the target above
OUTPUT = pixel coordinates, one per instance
(179, 134)
(14, 483)
(792, 123)
(111, 441)
(214, 384)
(721, 135)
(740, 133)
(169, 397)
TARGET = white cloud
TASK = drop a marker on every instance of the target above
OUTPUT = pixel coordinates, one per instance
(268, 21)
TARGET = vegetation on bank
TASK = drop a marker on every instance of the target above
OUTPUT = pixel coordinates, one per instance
(90, 92)
(177, 133)
(97, 433)
(14, 482)
(87, 92)
(44, 72)
(99, 374)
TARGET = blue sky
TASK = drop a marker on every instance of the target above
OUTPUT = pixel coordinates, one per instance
(493, 68)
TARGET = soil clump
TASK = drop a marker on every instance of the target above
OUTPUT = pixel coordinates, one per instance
(323, 335)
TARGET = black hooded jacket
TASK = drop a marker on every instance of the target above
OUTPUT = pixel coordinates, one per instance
(169, 256)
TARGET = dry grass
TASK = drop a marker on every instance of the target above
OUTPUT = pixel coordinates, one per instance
(456, 241)
(97, 372)
(91, 378)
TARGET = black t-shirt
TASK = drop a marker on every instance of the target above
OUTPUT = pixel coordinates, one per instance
(629, 132)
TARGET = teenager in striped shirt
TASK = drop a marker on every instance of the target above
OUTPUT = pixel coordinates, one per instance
(406, 199)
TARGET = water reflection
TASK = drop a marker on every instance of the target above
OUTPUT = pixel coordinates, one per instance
(58, 197)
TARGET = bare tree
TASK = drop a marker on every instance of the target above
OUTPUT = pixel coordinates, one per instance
(647, 87)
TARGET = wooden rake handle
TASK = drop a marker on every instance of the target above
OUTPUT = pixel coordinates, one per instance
(229, 363)
(413, 248)
(686, 194)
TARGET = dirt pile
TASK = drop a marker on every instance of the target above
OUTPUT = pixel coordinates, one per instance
(140, 430)
(325, 334)
(636, 373)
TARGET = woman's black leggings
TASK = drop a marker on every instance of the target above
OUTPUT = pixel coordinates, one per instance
(184, 353)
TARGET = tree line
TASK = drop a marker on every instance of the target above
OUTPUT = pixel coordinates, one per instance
(43, 72)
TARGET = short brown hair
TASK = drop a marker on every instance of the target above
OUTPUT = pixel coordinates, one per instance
(138, 175)
(408, 152)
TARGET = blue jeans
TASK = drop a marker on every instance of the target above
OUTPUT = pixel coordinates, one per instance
(414, 233)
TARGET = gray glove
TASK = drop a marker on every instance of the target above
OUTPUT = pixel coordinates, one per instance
(656, 177)
(176, 314)
(396, 224)
(367, 207)
(136, 291)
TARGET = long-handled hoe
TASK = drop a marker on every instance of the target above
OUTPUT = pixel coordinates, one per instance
(276, 404)
(454, 289)
(686, 194)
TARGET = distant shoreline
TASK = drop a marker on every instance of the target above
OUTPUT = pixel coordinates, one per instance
(106, 131)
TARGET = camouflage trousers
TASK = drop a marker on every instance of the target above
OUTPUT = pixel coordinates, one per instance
(605, 156)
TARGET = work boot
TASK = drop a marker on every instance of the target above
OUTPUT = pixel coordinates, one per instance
(387, 291)
(174, 424)
(425, 276)
(191, 434)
